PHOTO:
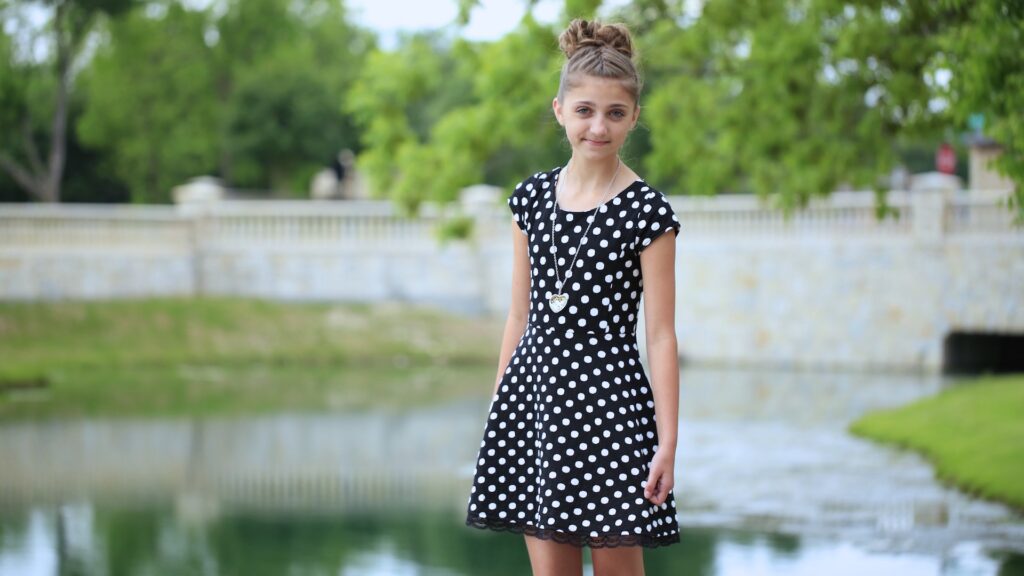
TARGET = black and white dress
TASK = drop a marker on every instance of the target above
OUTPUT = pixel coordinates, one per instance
(571, 431)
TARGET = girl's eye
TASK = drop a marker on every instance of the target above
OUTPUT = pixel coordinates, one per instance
(618, 114)
(582, 110)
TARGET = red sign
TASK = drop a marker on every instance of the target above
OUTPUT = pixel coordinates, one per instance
(945, 159)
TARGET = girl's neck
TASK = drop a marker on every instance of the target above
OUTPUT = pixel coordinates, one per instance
(590, 178)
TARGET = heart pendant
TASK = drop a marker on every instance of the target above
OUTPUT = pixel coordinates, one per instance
(557, 302)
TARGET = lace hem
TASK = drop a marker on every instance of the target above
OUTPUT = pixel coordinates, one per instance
(575, 539)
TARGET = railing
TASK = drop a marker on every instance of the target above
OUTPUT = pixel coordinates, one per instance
(980, 212)
(64, 227)
(843, 212)
(341, 224)
(267, 224)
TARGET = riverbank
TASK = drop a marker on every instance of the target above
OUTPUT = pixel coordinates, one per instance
(219, 355)
(973, 432)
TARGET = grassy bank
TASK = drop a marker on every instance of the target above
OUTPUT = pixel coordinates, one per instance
(208, 355)
(973, 432)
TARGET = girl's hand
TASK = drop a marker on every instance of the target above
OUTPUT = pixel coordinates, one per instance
(660, 479)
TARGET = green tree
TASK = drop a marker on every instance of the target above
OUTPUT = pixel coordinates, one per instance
(284, 114)
(396, 101)
(151, 101)
(785, 99)
(984, 53)
(790, 98)
(437, 119)
(29, 88)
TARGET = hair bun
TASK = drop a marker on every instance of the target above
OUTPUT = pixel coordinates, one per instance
(582, 34)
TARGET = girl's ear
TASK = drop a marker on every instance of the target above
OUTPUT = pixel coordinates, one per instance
(557, 107)
(636, 116)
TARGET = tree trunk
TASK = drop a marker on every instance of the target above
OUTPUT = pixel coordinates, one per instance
(58, 138)
(43, 182)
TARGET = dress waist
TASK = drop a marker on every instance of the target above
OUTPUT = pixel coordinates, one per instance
(621, 335)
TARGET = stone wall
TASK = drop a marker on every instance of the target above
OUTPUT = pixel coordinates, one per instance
(830, 287)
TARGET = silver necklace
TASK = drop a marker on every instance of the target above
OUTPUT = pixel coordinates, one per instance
(559, 299)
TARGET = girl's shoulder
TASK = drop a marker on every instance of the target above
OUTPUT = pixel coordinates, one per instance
(534, 185)
(640, 193)
(524, 198)
(649, 192)
(538, 178)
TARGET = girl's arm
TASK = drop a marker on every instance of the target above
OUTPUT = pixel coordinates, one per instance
(657, 264)
(519, 309)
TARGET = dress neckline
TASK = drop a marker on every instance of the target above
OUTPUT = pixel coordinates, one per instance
(558, 207)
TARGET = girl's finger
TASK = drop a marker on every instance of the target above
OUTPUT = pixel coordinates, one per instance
(652, 482)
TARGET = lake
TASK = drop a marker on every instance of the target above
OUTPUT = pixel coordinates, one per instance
(767, 482)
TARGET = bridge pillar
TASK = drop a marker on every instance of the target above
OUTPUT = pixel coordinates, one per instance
(928, 210)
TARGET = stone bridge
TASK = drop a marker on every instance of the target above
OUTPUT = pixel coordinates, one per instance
(938, 283)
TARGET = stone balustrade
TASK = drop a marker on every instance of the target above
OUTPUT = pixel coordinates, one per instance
(829, 285)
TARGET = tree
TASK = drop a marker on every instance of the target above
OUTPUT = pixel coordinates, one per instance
(284, 107)
(253, 94)
(790, 98)
(395, 102)
(21, 157)
(785, 99)
(985, 57)
(437, 119)
(151, 101)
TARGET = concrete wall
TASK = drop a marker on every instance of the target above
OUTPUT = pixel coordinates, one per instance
(830, 287)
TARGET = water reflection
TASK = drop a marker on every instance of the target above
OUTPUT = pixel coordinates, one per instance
(76, 539)
(768, 483)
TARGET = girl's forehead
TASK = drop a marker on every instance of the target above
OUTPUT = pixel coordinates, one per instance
(599, 90)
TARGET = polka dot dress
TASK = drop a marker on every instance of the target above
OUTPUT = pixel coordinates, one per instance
(571, 430)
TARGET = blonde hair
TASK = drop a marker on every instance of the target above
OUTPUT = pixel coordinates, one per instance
(595, 49)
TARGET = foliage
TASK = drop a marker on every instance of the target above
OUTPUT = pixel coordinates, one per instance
(789, 99)
(394, 102)
(772, 98)
(36, 93)
(455, 228)
(581, 9)
(500, 129)
(284, 70)
(984, 51)
(26, 90)
(151, 101)
(281, 117)
(170, 92)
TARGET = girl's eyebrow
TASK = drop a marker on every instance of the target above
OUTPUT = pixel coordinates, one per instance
(591, 104)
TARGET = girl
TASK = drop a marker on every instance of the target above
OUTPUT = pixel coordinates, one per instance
(579, 446)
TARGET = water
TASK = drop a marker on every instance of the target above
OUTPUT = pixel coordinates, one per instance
(768, 482)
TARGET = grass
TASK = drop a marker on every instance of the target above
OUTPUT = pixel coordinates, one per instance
(218, 355)
(973, 432)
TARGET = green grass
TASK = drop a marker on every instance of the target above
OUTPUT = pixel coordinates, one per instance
(973, 432)
(214, 356)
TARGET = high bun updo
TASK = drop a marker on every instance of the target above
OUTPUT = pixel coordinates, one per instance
(595, 49)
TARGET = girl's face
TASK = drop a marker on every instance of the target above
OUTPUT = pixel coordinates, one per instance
(597, 115)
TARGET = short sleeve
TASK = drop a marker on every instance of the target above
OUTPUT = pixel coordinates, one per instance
(519, 203)
(656, 218)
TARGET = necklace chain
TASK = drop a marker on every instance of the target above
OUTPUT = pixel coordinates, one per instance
(590, 221)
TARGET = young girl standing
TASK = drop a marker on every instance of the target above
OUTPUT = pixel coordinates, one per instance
(579, 445)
